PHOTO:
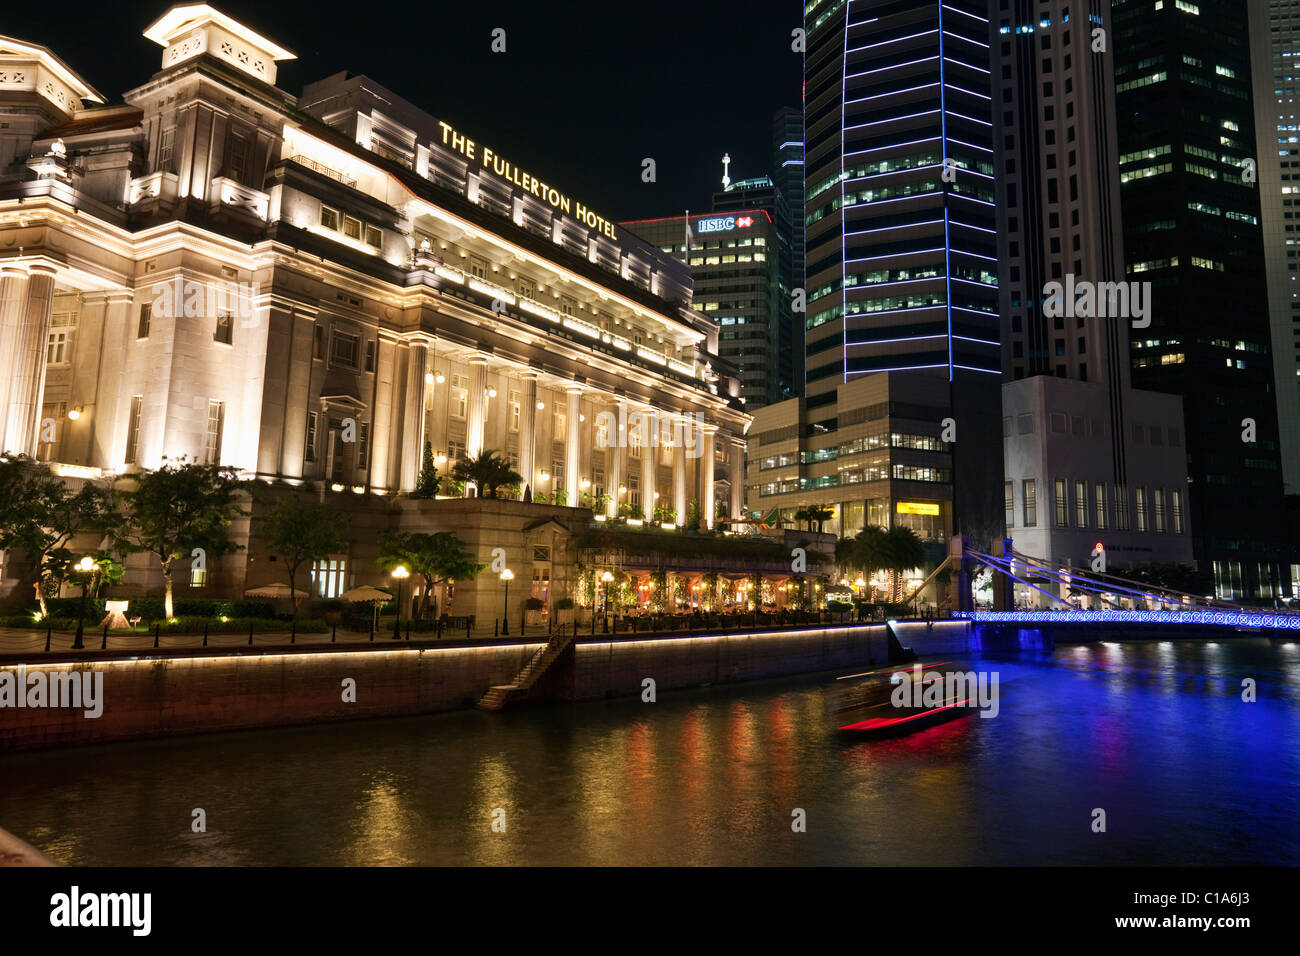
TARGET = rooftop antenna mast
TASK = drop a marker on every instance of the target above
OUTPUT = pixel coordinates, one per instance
(726, 162)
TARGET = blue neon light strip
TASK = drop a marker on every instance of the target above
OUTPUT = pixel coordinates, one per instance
(1220, 618)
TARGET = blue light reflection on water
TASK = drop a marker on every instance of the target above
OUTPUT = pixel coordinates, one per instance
(1154, 733)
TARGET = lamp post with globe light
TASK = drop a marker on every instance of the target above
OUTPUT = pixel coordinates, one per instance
(506, 576)
(607, 577)
(85, 567)
(401, 574)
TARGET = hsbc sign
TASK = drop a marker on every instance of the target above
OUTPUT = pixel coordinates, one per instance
(724, 223)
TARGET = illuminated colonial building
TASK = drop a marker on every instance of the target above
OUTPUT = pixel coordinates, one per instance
(310, 289)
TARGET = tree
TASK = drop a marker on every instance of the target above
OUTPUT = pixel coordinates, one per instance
(437, 557)
(40, 515)
(693, 515)
(489, 472)
(814, 515)
(903, 550)
(426, 484)
(179, 508)
(300, 532)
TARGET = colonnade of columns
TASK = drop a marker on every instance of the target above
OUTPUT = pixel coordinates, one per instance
(26, 305)
(695, 441)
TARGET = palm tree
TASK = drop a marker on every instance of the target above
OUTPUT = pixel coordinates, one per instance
(488, 472)
(903, 550)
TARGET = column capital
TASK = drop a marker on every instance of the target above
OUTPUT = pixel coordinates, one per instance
(13, 271)
(44, 269)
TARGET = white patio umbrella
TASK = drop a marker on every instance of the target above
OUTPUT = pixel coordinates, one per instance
(365, 593)
(279, 591)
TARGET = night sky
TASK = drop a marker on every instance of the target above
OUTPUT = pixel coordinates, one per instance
(583, 93)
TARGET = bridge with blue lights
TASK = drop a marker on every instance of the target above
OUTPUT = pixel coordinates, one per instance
(1124, 601)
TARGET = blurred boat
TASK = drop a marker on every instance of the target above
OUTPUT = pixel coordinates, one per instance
(865, 706)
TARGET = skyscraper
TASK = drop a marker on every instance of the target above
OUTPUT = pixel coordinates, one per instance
(1191, 227)
(1087, 458)
(1274, 45)
(787, 174)
(901, 257)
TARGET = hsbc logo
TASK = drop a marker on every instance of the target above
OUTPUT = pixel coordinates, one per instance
(724, 223)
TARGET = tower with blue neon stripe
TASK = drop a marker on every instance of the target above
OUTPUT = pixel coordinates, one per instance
(901, 220)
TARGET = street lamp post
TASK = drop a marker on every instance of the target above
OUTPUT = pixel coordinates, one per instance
(401, 574)
(607, 577)
(507, 576)
(85, 566)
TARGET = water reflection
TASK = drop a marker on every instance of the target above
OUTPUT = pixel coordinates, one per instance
(1154, 732)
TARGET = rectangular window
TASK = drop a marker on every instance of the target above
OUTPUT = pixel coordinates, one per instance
(310, 452)
(1158, 507)
(329, 218)
(58, 348)
(1121, 507)
(1009, 501)
(343, 349)
(515, 411)
(216, 419)
(1176, 506)
(557, 471)
(328, 577)
(224, 330)
(455, 450)
(166, 149)
(1029, 491)
(238, 167)
(318, 342)
(459, 395)
(352, 227)
(142, 328)
(634, 490)
(1140, 496)
(478, 266)
(374, 237)
(1081, 504)
(370, 355)
(1062, 504)
(527, 289)
(363, 444)
(1101, 505)
(198, 577)
(559, 426)
(133, 430)
(568, 305)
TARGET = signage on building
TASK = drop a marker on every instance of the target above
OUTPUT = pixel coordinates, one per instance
(916, 508)
(724, 223)
(528, 183)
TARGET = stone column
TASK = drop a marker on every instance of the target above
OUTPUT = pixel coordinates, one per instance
(28, 382)
(476, 413)
(13, 304)
(737, 479)
(614, 439)
(649, 424)
(528, 431)
(706, 473)
(680, 438)
(413, 415)
(572, 445)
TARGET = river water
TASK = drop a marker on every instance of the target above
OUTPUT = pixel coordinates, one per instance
(1153, 733)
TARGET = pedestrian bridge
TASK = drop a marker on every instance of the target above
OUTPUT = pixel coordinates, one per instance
(1122, 600)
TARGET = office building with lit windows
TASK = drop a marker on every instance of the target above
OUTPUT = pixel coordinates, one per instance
(1275, 44)
(365, 279)
(739, 257)
(901, 275)
(1186, 129)
(1087, 458)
